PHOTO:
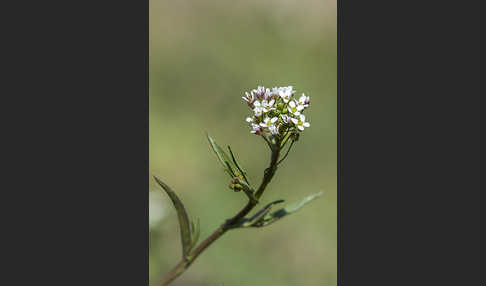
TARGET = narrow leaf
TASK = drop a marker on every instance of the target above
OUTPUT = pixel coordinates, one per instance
(196, 231)
(291, 208)
(257, 217)
(184, 223)
(242, 172)
(229, 167)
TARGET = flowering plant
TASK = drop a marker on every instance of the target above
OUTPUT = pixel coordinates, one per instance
(277, 116)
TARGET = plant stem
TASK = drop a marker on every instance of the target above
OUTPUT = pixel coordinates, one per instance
(185, 263)
(285, 156)
(182, 266)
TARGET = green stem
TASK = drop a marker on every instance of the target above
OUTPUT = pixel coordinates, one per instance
(182, 266)
(285, 156)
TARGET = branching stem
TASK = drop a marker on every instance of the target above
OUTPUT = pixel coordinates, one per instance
(182, 266)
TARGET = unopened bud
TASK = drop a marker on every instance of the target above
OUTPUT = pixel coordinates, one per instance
(236, 187)
(295, 136)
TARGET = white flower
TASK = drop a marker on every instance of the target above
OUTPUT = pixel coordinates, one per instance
(249, 119)
(285, 94)
(249, 97)
(301, 123)
(256, 129)
(286, 118)
(304, 100)
(275, 92)
(273, 129)
(294, 108)
(267, 106)
(267, 122)
(258, 109)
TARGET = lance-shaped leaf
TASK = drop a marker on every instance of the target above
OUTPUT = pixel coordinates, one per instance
(195, 231)
(184, 223)
(242, 172)
(228, 165)
(258, 216)
(270, 218)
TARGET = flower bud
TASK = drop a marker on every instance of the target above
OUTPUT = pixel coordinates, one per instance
(295, 136)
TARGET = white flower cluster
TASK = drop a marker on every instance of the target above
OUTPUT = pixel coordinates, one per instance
(276, 111)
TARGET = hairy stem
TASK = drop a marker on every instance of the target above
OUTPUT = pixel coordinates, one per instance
(185, 262)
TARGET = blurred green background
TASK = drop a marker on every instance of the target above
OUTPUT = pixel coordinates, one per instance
(203, 56)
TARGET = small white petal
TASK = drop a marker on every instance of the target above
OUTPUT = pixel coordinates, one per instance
(295, 121)
(302, 117)
(292, 104)
(274, 120)
(257, 103)
(301, 128)
(249, 119)
(306, 124)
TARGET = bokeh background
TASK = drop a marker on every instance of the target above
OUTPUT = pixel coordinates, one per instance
(203, 56)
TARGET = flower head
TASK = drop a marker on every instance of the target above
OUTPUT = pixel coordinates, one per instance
(275, 112)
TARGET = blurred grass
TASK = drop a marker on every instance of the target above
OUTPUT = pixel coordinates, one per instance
(203, 56)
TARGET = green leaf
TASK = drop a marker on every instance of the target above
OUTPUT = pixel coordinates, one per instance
(228, 165)
(291, 208)
(258, 216)
(195, 232)
(242, 172)
(184, 223)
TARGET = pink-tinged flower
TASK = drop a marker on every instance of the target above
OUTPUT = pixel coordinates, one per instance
(275, 92)
(256, 129)
(259, 92)
(304, 101)
(249, 97)
(268, 94)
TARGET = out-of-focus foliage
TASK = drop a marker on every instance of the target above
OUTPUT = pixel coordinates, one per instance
(203, 56)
